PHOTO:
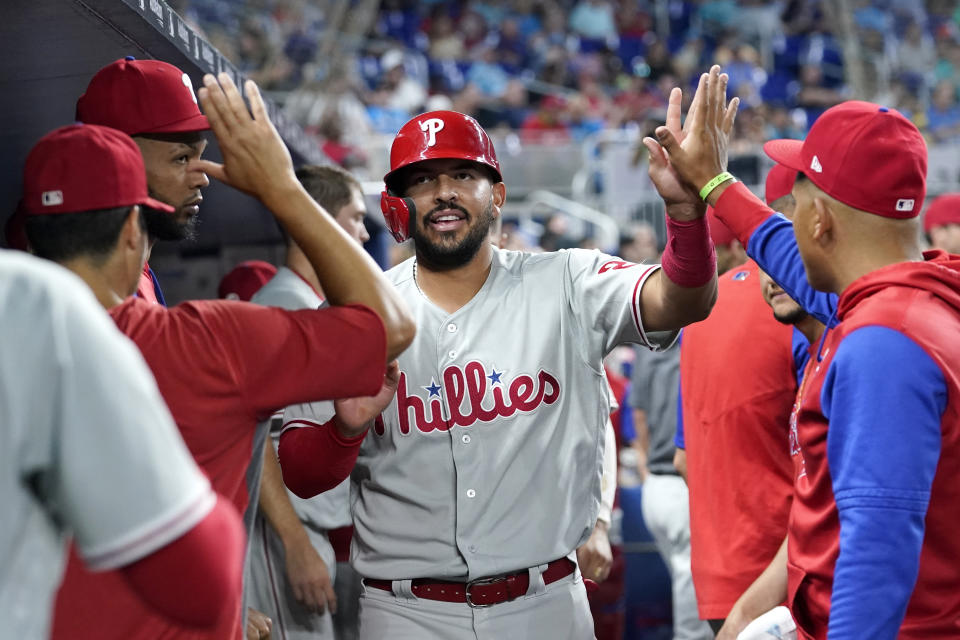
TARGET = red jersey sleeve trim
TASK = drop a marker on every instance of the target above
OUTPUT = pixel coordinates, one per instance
(635, 305)
(742, 211)
(156, 535)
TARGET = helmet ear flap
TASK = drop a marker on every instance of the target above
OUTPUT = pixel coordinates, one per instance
(398, 213)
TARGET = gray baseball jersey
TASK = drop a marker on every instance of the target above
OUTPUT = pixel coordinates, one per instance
(489, 458)
(267, 588)
(89, 447)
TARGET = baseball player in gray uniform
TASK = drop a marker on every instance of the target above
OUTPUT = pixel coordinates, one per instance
(480, 479)
(89, 449)
(289, 535)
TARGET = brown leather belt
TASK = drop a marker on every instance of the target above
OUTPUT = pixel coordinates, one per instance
(483, 592)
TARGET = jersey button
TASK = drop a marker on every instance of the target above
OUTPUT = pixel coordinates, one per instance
(452, 354)
(471, 493)
(472, 548)
(451, 328)
(465, 439)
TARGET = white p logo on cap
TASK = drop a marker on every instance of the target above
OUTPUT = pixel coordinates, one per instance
(431, 126)
(51, 198)
(189, 85)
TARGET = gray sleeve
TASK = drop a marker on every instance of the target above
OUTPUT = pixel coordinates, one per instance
(123, 479)
(640, 379)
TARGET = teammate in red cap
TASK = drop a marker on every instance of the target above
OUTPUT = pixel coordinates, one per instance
(483, 476)
(738, 381)
(875, 431)
(208, 357)
(245, 279)
(154, 102)
(941, 222)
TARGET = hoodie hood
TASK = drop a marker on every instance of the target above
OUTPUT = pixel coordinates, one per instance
(939, 274)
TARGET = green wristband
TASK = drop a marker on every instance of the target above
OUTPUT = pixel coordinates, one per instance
(713, 184)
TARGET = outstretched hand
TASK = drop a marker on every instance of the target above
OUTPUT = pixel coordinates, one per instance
(354, 415)
(669, 185)
(255, 159)
(698, 152)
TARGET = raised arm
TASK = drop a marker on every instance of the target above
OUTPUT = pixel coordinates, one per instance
(257, 162)
(698, 154)
(685, 288)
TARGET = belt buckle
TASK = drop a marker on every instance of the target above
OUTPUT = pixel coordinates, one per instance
(480, 581)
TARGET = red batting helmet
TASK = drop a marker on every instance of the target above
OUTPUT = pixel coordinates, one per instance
(431, 136)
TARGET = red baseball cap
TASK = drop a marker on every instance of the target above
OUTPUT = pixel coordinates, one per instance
(720, 233)
(245, 279)
(140, 97)
(943, 210)
(866, 156)
(84, 167)
(779, 182)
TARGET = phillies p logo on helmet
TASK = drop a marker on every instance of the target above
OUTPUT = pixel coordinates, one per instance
(431, 126)
(416, 141)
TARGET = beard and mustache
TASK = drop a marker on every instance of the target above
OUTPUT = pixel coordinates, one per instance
(441, 256)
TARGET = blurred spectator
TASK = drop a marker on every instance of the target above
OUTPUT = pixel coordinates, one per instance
(335, 146)
(547, 124)
(639, 244)
(812, 93)
(593, 19)
(446, 43)
(943, 116)
(941, 222)
(403, 92)
(555, 234)
(916, 53)
(512, 46)
(487, 74)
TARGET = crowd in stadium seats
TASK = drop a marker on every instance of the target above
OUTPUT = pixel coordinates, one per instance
(562, 69)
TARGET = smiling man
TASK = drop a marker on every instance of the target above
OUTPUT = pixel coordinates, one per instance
(482, 477)
(154, 102)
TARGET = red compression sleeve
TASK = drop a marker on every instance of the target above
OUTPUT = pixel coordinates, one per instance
(742, 211)
(316, 458)
(196, 580)
(689, 259)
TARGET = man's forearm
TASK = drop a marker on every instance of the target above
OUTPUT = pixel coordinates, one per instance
(275, 503)
(768, 590)
(346, 273)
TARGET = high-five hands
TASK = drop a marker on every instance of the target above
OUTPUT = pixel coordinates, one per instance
(255, 159)
(683, 160)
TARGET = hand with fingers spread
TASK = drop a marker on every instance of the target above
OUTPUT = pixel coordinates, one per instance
(255, 159)
(683, 202)
(700, 153)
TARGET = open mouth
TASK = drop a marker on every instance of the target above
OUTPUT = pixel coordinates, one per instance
(447, 220)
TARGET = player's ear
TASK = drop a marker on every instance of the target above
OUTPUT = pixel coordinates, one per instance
(133, 233)
(499, 195)
(823, 221)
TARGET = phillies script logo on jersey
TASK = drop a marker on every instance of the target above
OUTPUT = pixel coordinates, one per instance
(467, 399)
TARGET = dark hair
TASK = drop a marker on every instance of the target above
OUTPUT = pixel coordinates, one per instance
(65, 236)
(331, 186)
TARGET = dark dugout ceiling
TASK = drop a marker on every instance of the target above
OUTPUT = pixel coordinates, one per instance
(51, 49)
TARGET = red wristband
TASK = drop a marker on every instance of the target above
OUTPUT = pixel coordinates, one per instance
(689, 259)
